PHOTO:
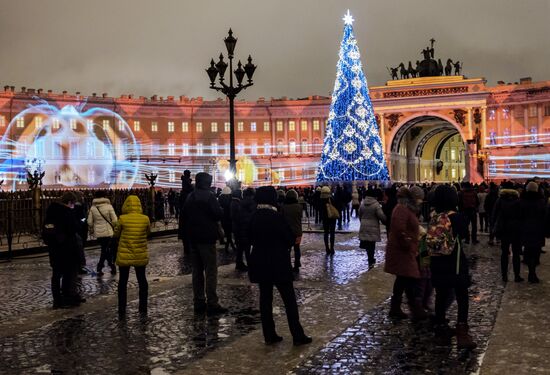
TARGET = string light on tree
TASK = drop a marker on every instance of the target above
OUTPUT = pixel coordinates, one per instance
(352, 149)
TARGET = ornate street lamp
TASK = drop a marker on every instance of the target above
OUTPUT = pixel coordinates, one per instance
(217, 70)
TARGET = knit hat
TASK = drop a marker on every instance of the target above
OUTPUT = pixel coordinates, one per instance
(532, 186)
(318, 188)
(325, 192)
(417, 192)
(292, 194)
(68, 197)
(226, 190)
(266, 195)
(404, 192)
(280, 194)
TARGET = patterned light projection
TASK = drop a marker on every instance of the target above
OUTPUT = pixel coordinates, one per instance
(72, 147)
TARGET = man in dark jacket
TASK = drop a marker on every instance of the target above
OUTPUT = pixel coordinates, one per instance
(506, 217)
(60, 234)
(532, 210)
(241, 214)
(270, 266)
(489, 205)
(186, 189)
(202, 213)
(467, 205)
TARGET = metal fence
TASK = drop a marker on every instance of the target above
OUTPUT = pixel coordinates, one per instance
(21, 218)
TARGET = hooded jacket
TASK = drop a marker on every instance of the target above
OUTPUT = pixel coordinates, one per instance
(132, 228)
(371, 215)
(101, 209)
(532, 211)
(202, 212)
(506, 215)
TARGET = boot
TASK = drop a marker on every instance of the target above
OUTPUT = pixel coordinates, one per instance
(443, 334)
(417, 312)
(463, 339)
(395, 309)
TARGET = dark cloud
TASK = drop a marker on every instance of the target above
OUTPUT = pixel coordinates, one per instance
(162, 47)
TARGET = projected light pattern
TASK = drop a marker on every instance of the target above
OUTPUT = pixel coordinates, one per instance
(532, 138)
(74, 148)
(519, 166)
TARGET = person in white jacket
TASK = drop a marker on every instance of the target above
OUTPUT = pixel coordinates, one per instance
(101, 221)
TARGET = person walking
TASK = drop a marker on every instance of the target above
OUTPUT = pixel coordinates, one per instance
(101, 221)
(132, 229)
(483, 221)
(450, 270)
(467, 205)
(202, 213)
(370, 214)
(506, 216)
(59, 233)
(489, 206)
(402, 252)
(292, 212)
(532, 210)
(270, 266)
(355, 201)
(328, 220)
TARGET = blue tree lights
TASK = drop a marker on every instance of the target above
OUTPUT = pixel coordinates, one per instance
(352, 149)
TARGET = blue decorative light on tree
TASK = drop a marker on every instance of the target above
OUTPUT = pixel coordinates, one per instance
(352, 149)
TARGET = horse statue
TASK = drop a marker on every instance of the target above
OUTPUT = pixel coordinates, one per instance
(393, 72)
(458, 68)
(449, 67)
(404, 72)
(440, 67)
(412, 71)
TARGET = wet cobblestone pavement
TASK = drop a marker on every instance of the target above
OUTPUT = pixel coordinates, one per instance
(378, 345)
(343, 305)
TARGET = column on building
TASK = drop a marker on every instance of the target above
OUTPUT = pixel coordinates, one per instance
(483, 126)
(310, 137)
(526, 131)
(469, 123)
(285, 127)
(299, 136)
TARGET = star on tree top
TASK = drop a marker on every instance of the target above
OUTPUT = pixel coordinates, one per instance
(348, 19)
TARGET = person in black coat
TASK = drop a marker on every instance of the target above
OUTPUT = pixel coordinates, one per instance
(186, 189)
(506, 219)
(201, 215)
(489, 205)
(270, 265)
(62, 240)
(532, 211)
(450, 273)
(241, 215)
(236, 197)
(225, 199)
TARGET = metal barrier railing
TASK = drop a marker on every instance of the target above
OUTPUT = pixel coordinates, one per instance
(21, 216)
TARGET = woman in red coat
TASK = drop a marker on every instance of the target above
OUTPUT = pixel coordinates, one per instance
(402, 252)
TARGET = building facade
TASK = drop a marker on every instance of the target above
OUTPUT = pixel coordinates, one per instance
(433, 128)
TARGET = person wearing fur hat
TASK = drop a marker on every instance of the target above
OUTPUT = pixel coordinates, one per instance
(329, 224)
(270, 266)
(506, 217)
(292, 211)
(402, 252)
(532, 210)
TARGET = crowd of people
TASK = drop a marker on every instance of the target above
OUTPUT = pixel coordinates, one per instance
(428, 228)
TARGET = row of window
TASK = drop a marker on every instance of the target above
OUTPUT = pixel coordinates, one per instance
(38, 121)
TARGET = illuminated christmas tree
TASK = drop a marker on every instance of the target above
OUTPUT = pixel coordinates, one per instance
(352, 149)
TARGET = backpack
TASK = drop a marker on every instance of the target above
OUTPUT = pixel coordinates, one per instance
(51, 236)
(439, 236)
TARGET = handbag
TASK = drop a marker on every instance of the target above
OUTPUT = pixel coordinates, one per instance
(332, 212)
(113, 243)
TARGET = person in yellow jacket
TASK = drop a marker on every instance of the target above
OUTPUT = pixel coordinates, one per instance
(132, 229)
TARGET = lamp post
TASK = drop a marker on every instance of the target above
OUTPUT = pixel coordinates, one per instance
(229, 90)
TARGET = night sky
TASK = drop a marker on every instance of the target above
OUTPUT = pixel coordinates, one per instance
(161, 47)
